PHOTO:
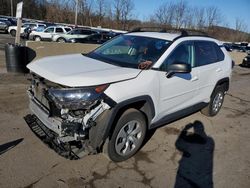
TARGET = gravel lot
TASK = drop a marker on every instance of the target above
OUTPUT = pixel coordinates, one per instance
(222, 155)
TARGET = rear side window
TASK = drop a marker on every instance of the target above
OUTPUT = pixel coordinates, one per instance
(67, 29)
(86, 32)
(59, 30)
(207, 52)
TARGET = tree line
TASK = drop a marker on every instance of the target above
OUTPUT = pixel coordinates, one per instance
(120, 14)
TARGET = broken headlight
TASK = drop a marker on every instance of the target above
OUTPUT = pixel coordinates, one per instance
(76, 98)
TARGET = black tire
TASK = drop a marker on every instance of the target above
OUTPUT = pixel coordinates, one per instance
(37, 38)
(129, 117)
(13, 32)
(218, 94)
(62, 40)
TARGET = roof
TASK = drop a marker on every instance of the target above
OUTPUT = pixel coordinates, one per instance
(159, 35)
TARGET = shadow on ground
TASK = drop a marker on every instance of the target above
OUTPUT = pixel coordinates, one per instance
(196, 165)
(9, 145)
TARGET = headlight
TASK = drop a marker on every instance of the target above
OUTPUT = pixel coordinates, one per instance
(245, 59)
(76, 98)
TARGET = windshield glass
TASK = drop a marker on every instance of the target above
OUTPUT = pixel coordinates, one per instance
(131, 51)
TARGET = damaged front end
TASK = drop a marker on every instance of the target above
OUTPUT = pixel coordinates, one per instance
(63, 117)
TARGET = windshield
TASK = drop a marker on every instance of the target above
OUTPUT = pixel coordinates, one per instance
(131, 51)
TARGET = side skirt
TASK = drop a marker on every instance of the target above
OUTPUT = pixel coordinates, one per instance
(178, 115)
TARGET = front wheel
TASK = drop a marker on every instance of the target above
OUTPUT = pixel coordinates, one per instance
(13, 32)
(215, 103)
(37, 38)
(128, 136)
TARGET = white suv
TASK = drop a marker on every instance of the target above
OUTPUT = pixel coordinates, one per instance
(47, 34)
(107, 100)
(12, 29)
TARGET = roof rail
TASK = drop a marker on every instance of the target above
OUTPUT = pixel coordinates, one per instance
(183, 32)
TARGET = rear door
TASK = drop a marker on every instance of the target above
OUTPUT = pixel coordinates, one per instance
(209, 58)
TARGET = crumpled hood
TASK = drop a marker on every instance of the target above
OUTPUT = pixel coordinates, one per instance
(76, 70)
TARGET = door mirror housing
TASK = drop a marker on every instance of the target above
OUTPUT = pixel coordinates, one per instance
(178, 67)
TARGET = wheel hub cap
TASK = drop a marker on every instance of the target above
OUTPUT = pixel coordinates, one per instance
(217, 102)
(128, 138)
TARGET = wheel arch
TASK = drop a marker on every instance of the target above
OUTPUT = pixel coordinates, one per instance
(107, 121)
(223, 82)
(142, 103)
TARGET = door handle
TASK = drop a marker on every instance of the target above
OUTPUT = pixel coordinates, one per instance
(195, 78)
(218, 70)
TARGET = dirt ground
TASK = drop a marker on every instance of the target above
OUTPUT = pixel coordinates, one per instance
(219, 155)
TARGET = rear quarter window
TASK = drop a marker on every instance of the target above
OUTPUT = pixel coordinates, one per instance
(207, 52)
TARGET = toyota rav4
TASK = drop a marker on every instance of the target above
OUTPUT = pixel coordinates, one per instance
(109, 99)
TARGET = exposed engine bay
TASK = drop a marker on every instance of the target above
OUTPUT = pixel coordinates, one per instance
(63, 117)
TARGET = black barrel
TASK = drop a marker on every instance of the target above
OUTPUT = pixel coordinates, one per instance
(16, 58)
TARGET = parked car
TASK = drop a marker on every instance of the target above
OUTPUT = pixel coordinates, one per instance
(47, 34)
(228, 47)
(75, 33)
(4, 27)
(28, 30)
(247, 49)
(238, 48)
(12, 29)
(11, 21)
(98, 38)
(246, 61)
(108, 100)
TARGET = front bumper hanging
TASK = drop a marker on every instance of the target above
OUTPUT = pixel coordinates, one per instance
(70, 151)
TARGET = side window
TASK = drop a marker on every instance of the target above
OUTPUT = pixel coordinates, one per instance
(220, 54)
(59, 30)
(183, 53)
(205, 53)
(86, 32)
(49, 30)
(67, 29)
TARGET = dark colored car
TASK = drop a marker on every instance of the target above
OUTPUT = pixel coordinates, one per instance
(246, 61)
(228, 47)
(11, 21)
(247, 49)
(238, 48)
(98, 38)
(4, 26)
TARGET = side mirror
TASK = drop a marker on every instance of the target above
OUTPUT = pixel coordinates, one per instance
(178, 67)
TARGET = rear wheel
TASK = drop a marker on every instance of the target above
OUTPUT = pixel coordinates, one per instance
(128, 136)
(61, 40)
(215, 103)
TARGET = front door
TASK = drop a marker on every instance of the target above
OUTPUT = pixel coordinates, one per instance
(178, 92)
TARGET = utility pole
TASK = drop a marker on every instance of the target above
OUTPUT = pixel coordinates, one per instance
(76, 12)
(11, 8)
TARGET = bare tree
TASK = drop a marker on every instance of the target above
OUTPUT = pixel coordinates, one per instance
(122, 12)
(126, 12)
(101, 8)
(240, 25)
(117, 11)
(180, 9)
(200, 17)
(164, 14)
(213, 16)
